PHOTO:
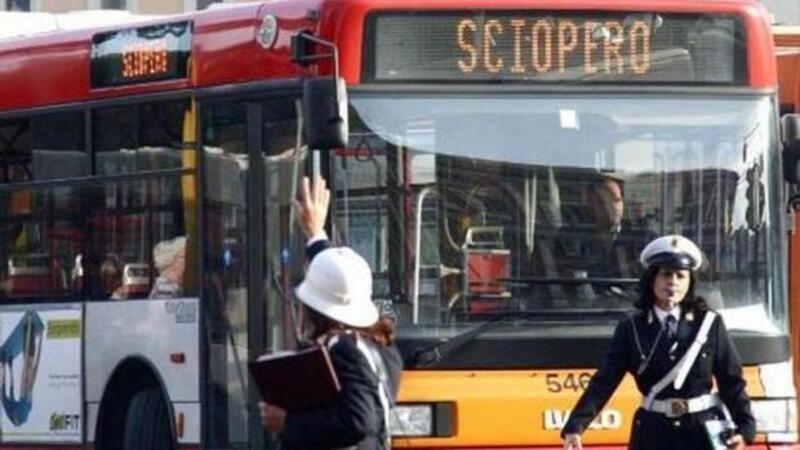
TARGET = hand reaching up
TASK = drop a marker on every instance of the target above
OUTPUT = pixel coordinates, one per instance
(311, 208)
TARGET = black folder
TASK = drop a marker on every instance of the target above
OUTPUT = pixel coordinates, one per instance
(296, 380)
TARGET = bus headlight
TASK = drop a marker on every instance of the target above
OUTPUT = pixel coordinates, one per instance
(423, 419)
(412, 420)
(775, 415)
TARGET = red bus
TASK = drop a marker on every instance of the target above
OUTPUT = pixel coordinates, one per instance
(148, 249)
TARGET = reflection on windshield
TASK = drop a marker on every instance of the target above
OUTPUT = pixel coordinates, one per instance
(470, 208)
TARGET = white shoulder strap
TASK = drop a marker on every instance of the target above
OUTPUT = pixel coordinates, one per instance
(378, 368)
(679, 372)
(694, 350)
(333, 340)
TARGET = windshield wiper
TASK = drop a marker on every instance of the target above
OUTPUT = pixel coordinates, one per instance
(573, 280)
(434, 353)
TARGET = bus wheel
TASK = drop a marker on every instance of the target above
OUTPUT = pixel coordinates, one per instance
(147, 425)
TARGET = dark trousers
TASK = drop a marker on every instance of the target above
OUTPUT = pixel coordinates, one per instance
(655, 431)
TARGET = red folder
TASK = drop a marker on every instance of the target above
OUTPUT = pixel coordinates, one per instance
(296, 380)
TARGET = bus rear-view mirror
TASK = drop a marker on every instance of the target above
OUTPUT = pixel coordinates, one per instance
(790, 133)
(325, 113)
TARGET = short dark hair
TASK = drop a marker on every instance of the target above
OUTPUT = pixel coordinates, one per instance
(600, 183)
(647, 299)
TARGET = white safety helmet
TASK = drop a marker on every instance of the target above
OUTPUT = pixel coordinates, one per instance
(673, 251)
(338, 285)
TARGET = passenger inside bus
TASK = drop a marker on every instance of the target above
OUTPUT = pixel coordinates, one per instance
(601, 245)
(169, 258)
(76, 277)
(111, 277)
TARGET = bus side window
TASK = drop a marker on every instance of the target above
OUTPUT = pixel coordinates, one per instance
(133, 217)
(41, 226)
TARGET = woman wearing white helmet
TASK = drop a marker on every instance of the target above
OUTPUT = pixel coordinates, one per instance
(338, 312)
(673, 346)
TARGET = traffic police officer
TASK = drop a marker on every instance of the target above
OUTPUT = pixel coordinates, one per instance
(649, 343)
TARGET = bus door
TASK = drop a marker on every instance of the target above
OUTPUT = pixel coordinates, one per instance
(252, 255)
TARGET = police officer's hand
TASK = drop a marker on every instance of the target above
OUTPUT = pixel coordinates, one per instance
(572, 441)
(736, 442)
(273, 417)
(312, 206)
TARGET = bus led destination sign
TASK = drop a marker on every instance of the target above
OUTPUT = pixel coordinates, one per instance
(142, 59)
(543, 45)
(141, 55)
(535, 46)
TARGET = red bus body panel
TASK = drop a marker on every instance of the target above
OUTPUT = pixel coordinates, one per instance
(344, 23)
(54, 68)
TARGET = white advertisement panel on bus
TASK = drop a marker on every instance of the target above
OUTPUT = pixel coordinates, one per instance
(40, 373)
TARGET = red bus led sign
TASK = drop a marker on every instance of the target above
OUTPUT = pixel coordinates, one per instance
(143, 59)
(141, 55)
(555, 47)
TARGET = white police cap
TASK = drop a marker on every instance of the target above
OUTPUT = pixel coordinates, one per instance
(673, 251)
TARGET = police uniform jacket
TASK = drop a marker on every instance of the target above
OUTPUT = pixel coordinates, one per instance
(652, 430)
(356, 418)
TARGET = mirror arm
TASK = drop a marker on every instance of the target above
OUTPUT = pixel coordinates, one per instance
(300, 55)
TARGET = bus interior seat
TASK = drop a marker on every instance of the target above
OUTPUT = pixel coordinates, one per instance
(136, 280)
(31, 281)
(487, 266)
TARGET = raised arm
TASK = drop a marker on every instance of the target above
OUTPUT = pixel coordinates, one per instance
(602, 386)
(311, 208)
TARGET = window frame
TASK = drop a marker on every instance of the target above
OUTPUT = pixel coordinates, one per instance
(87, 109)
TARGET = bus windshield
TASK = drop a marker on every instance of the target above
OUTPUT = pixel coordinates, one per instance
(475, 207)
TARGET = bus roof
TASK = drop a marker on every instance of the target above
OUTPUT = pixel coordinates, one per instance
(16, 25)
(53, 68)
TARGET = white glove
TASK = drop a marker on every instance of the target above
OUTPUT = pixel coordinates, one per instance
(572, 441)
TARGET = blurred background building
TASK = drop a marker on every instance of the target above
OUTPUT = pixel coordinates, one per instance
(785, 11)
(134, 6)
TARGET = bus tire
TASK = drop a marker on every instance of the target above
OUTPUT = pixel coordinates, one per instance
(147, 424)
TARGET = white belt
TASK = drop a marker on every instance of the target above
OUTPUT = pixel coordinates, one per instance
(676, 407)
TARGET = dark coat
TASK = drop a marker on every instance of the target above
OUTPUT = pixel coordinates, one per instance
(356, 419)
(581, 251)
(602, 254)
(655, 431)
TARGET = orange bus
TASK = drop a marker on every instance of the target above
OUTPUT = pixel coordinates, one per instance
(787, 48)
(148, 249)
